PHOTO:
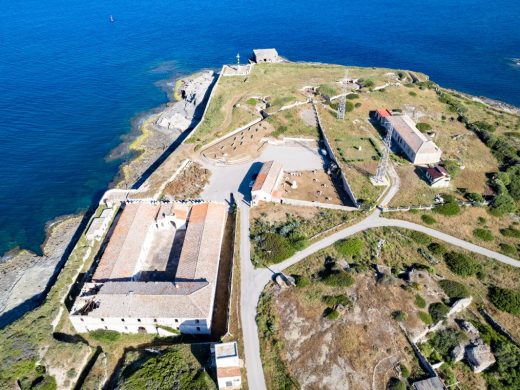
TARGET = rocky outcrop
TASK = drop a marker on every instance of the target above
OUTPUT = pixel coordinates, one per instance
(180, 115)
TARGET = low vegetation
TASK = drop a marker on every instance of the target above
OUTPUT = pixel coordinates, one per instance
(461, 264)
(453, 289)
(504, 299)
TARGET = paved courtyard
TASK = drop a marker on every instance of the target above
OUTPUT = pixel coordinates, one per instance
(225, 179)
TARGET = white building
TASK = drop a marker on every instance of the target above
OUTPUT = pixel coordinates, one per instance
(265, 187)
(228, 366)
(479, 356)
(158, 273)
(265, 55)
(416, 146)
(99, 225)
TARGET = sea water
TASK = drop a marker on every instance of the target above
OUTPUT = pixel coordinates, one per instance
(72, 82)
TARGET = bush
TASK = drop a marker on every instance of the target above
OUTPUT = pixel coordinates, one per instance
(428, 219)
(505, 299)
(423, 127)
(358, 104)
(420, 302)
(335, 300)
(412, 93)
(475, 197)
(349, 106)
(425, 317)
(352, 96)
(507, 249)
(338, 279)
(331, 314)
(405, 371)
(510, 232)
(453, 289)
(396, 384)
(438, 311)
(276, 247)
(481, 125)
(452, 166)
(448, 209)
(301, 281)
(251, 101)
(106, 336)
(350, 247)
(461, 264)
(399, 315)
(437, 249)
(483, 234)
(502, 204)
(420, 238)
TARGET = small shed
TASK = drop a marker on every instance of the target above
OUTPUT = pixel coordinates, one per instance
(437, 176)
(265, 55)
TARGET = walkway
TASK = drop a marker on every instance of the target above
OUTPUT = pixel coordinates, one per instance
(253, 281)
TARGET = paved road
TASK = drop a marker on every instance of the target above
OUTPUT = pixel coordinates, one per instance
(253, 280)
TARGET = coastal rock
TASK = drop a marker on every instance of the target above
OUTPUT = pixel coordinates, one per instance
(180, 115)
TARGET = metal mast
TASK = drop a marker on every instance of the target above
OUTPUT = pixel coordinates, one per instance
(379, 178)
(342, 98)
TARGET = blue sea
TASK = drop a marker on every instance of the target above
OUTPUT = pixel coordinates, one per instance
(72, 83)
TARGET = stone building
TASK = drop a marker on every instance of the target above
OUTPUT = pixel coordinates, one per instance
(479, 356)
(265, 55)
(158, 273)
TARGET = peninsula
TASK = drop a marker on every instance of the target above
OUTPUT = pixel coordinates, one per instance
(287, 225)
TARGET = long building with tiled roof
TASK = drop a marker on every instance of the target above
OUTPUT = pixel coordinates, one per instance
(142, 284)
(265, 187)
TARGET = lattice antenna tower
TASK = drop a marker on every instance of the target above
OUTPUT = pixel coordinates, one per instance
(383, 165)
(342, 98)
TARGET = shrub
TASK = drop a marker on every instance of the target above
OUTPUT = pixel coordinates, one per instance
(350, 247)
(505, 299)
(420, 302)
(107, 336)
(358, 104)
(437, 249)
(507, 249)
(423, 127)
(461, 264)
(399, 315)
(336, 300)
(352, 96)
(396, 384)
(405, 371)
(483, 234)
(301, 281)
(425, 317)
(438, 311)
(452, 166)
(510, 232)
(481, 125)
(453, 289)
(349, 106)
(251, 101)
(331, 314)
(420, 238)
(447, 209)
(412, 93)
(428, 219)
(475, 197)
(502, 204)
(338, 279)
(327, 90)
(276, 247)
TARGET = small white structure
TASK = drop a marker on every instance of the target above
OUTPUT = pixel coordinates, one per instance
(228, 365)
(460, 305)
(415, 145)
(437, 176)
(265, 55)
(433, 383)
(266, 184)
(99, 225)
(479, 356)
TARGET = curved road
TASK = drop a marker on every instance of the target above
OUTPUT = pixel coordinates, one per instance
(254, 280)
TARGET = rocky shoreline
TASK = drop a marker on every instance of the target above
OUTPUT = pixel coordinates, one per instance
(24, 275)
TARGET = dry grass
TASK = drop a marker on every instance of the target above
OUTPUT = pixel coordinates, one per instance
(463, 225)
(189, 183)
(314, 186)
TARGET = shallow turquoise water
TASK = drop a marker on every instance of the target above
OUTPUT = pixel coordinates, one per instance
(71, 82)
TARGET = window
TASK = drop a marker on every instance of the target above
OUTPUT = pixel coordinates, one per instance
(82, 320)
(122, 320)
(229, 384)
(102, 320)
(196, 321)
(106, 328)
(138, 320)
(155, 320)
(176, 320)
(198, 328)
